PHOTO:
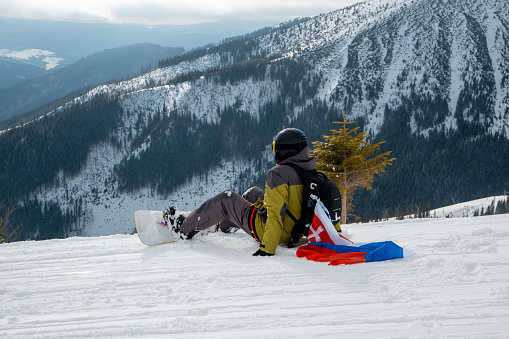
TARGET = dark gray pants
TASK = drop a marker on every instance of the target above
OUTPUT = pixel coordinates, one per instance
(228, 208)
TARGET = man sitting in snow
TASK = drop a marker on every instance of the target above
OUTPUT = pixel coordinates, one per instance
(269, 220)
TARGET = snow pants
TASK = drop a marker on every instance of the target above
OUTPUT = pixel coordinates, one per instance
(227, 208)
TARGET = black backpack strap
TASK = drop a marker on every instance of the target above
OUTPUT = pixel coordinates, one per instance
(288, 213)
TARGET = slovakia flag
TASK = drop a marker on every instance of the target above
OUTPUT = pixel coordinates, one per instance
(325, 244)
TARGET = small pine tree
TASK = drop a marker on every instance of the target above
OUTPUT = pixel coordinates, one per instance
(6, 234)
(348, 159)
(2, 237)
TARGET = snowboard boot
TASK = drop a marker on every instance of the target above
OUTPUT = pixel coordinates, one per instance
(174, 223)
(169, 216)
(178, 223)
(177, 228)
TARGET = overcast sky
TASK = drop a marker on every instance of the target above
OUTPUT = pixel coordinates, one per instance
(176, 12)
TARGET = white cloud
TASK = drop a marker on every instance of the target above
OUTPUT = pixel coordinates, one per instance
(166, 11)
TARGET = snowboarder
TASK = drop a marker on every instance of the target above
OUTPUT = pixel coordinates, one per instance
(268, 217)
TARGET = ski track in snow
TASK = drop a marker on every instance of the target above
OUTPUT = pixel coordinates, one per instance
(211, 287)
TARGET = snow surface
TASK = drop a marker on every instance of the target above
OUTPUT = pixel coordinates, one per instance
(467, 209)
(47, 57)
(212, 287)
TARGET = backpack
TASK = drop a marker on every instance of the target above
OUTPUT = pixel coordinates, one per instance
(318, 184)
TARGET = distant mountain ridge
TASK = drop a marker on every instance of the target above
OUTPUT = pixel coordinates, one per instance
(102, 67)
(13, 73)
(75, 40)
(381, 62)
(429, 77)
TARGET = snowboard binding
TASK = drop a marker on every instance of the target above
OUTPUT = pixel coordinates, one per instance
(169, 216)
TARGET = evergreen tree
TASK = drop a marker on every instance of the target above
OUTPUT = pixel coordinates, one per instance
(2, 237)
(347, 157)
(502, 207)
(7, 232)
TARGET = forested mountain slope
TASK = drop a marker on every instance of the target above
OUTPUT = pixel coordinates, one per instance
(102, 67)
(430, 77)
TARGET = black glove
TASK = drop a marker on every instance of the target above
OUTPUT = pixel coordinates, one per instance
(262, 254)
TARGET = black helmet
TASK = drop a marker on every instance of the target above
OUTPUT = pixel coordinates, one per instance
(287, 143)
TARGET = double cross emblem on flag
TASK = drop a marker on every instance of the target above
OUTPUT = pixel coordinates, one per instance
(314, 235)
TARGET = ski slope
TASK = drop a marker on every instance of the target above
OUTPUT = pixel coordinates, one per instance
(212, 287)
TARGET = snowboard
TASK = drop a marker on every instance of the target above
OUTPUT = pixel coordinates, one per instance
(151, 228)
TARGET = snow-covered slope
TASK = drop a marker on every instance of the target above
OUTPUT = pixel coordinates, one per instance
(211, 287)
(468, 208)
(33, 56)
(113, 213)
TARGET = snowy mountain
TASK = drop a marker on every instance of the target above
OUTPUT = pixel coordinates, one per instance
(429, 77)
(101, 67)
(374, 56)
(212, 287)
(35, 56)
(19, 65)
(378, 54)
(87, 49)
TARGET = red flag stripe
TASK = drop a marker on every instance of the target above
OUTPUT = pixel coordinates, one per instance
(322, 254)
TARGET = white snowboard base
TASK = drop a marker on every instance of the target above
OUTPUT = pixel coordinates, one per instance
(151, 228)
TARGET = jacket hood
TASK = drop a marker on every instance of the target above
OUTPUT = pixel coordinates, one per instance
(302, 159)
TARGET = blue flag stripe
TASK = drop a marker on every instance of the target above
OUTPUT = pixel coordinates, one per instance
(375, 251)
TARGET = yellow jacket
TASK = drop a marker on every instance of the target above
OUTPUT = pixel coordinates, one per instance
(283, 192)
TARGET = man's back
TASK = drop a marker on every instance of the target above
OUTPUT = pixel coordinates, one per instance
(283, 194)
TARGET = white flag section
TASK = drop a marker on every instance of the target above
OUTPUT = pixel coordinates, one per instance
(322, 229)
